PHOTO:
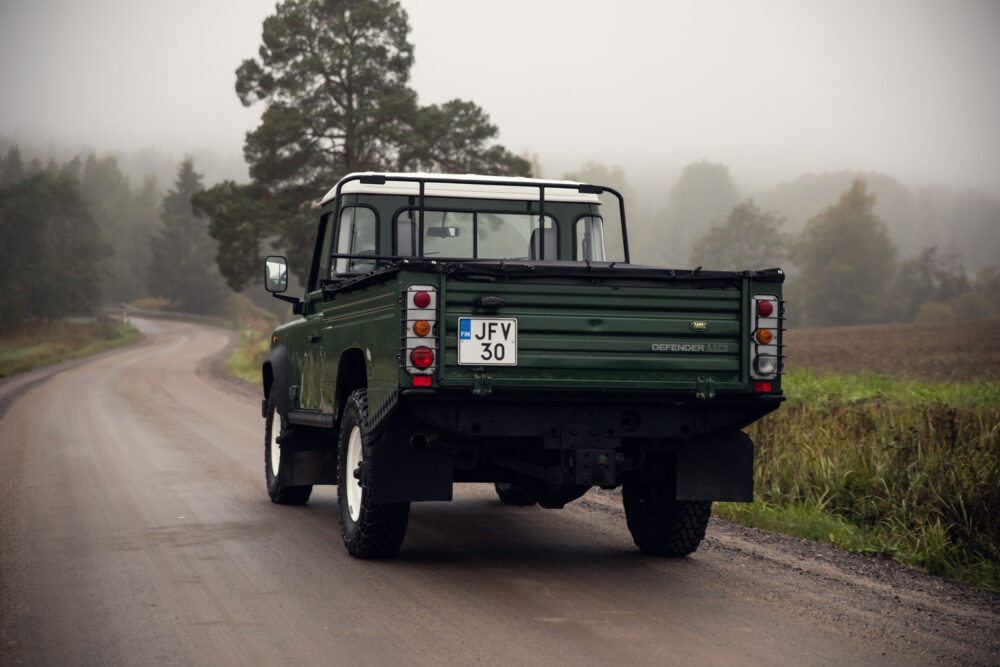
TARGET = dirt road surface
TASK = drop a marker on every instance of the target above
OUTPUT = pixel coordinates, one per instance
(135, 529)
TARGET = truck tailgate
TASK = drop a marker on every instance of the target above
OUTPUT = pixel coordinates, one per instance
(603, 336)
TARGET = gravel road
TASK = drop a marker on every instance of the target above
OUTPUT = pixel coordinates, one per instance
(135, 529)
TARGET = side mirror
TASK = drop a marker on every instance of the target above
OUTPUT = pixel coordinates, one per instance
(275, 274)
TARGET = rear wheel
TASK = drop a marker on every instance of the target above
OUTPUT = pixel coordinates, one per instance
(511, 493)
(369, 529)
(276, 456)
(660, 524)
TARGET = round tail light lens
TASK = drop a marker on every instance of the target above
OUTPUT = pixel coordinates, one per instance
(764, 336)
(422, 357)
(422, 327)
(765, 308)
(421, 299)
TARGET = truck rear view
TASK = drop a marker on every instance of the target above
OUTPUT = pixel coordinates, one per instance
(471, 329)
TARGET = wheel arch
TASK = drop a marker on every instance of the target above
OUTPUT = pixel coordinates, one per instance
(352, 374)
(274, 373)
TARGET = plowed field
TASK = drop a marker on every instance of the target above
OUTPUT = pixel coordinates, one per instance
(940, 351)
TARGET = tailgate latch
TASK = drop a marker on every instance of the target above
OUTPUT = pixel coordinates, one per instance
(704, 388)
(481, 384)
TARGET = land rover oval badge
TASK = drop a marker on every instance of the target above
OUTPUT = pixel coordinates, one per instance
(699, 325)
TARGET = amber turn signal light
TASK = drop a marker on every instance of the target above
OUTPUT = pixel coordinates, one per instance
(764, 336)
(422, 327)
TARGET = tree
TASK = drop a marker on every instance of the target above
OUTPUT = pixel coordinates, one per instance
(930, 276)
(703, 195)
(182, 268)
(334, 76)
(847, 262)
(749, 239)
(126, 218)
(11, 167)
(51, 251)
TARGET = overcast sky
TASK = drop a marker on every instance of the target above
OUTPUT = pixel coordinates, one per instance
(771, 89)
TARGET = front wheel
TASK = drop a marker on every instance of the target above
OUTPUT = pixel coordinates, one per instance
(660, 524)
(276, 457)
(369, 529)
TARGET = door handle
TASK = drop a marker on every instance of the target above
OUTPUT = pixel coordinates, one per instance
(314, 339)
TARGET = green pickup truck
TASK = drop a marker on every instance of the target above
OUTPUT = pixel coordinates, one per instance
(471, 329)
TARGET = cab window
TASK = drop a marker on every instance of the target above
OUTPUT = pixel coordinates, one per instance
(356, 235)
(589, 233)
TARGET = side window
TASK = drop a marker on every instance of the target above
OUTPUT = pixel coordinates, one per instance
(356, 235)
(589, 233)
(325, 270)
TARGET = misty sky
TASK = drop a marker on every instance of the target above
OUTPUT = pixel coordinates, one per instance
(771, 89)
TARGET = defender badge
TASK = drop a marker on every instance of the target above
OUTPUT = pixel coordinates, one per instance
(699, 325)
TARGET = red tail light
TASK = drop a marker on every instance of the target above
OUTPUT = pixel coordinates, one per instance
(765, 308)
(422, 357)
(421, 299)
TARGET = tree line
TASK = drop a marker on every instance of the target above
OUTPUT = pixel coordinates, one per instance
(77, 235)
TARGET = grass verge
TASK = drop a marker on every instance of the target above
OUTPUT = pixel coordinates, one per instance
(50, 343)
(900, 468)
(248, 356)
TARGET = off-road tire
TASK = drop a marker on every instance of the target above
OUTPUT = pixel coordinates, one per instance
(370, 530)
(511, 493)
(661, 525)
(278, 492)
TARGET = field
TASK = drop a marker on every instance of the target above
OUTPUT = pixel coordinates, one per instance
(889, 444)
(940, 351)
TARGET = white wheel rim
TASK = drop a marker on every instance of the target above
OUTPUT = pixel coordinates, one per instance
(275, 447)
(353, 484)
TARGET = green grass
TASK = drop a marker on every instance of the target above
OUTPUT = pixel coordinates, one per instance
(248, 356)
(50, 343)
(900, 468)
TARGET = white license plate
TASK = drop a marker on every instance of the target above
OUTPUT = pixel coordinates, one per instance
(487, 341)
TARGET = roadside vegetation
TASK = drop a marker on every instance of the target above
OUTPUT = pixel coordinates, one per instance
(248, 356)
(898, 467)
(49, 343)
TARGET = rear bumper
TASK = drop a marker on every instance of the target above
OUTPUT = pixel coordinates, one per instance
(579, 416)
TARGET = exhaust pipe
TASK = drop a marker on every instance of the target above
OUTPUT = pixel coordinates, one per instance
(418, 441)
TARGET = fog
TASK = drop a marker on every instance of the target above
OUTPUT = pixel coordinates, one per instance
(770, 89)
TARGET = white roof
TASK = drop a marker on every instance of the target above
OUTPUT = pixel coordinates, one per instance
(511, 187)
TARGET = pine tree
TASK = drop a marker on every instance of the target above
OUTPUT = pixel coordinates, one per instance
(334, 75)
(182, 267)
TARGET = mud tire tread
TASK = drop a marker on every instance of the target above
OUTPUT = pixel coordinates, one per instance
(381, 527)
(277, 492)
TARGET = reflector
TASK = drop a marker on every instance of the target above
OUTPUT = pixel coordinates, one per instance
(422, 381)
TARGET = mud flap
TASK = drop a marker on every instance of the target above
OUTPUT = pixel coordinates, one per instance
(405, 474)
(719, 469)
(310, 467)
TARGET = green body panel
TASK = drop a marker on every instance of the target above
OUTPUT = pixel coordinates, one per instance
(570, 336)
(603, 336)
(366, 321)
